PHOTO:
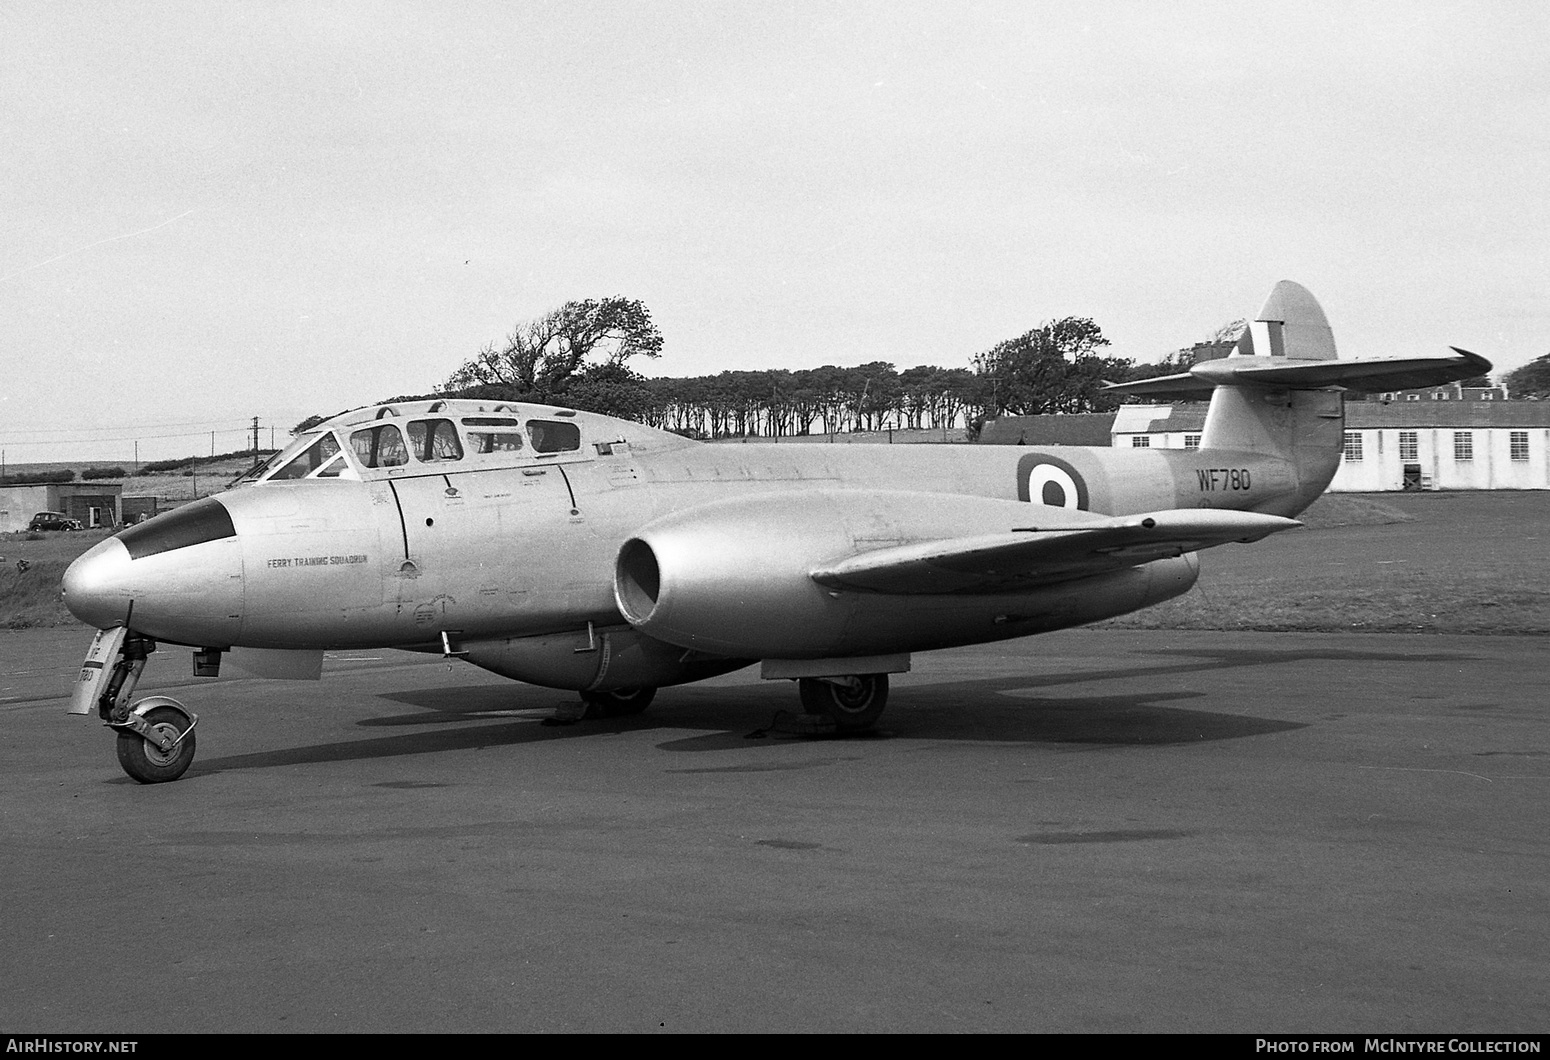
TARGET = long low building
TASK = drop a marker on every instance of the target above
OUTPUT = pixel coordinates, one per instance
(1426, 445)
(91, 503)
(1442, 445)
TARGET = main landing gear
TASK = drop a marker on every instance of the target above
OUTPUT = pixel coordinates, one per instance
(155, 735)
(619, 703)
(616, 703)
(849, 704)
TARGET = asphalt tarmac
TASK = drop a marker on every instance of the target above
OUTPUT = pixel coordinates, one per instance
(1087, 831)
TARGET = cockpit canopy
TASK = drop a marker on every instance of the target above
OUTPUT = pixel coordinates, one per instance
(354, 446)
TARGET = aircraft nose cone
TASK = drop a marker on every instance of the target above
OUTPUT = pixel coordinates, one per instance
(96, 588)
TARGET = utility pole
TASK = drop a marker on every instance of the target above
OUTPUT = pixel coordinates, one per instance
(255, 441)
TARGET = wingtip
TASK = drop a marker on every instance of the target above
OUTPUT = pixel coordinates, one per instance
(1474, 359)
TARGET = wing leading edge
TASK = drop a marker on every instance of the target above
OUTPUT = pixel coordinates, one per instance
(1028, 557)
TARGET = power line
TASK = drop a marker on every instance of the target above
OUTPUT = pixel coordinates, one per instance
(98, 439)
(220, 425)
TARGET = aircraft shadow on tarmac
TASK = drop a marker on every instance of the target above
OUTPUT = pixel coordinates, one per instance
(982, 709)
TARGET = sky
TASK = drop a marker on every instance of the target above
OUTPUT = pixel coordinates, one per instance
(218, 211)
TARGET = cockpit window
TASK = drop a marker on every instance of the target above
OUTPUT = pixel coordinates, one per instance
(380, 446)
(258, 471)
(552, 436)
(493, 434)
(339, 467)
(434, 440)
(313, 457)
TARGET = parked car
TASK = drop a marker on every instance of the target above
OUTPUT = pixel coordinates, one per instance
(53, 521)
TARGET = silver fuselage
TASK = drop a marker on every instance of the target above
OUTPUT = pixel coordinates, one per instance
(523, 544)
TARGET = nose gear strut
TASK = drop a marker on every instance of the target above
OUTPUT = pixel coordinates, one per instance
(155, 735)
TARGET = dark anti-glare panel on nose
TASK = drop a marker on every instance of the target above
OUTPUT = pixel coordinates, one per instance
(192, 524)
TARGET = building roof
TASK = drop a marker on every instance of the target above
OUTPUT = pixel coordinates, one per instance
(1364, 414)
(1359, 415)
(1092, 428)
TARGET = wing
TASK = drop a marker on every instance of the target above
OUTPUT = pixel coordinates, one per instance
(1024, 558)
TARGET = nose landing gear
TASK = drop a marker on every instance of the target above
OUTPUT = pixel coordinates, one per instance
(155, 735)
(156, 740)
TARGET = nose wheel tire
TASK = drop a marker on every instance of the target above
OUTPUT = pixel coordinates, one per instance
(619, 703)
(146, 762)
(853, 703)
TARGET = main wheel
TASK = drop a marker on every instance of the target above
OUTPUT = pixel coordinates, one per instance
(148, 763)
(853, 706)
(619, 703)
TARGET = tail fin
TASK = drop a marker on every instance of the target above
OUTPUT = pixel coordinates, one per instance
(1280, 392)
(1303, 425)
(1291, 325)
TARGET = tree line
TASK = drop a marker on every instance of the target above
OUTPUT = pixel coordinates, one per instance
(579, 356)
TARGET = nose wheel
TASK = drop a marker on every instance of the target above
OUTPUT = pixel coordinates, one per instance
(161, 746)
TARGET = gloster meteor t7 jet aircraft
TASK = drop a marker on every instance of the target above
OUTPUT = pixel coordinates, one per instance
(583, 552)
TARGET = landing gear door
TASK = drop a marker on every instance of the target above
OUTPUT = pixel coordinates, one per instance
(96, 670)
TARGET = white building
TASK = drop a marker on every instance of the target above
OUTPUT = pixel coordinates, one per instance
(1422, 445)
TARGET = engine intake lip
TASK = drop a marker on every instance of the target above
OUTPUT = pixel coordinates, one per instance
(637, 581)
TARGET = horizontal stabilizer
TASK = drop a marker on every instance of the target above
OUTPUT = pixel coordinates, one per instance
(1182, 386)
(1402, 373)
(1027, 557)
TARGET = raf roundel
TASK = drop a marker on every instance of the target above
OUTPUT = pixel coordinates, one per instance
(1051, 481)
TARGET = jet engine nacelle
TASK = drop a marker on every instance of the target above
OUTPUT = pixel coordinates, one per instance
(734, 577)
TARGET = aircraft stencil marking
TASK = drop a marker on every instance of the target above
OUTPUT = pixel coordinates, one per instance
(826, 565)
(1224, 478)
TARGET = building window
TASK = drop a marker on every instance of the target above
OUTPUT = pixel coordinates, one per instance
(1353, 446)
(1520, 445)
(1409, 447)
(1140, 441)
(1192, 441)
(1412, 397)
(1463, 446)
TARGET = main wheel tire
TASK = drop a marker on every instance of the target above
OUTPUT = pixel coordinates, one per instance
(619, 703)
(148, 763)
(852, 708)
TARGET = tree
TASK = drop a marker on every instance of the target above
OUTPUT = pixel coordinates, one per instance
(609, 388)
(1530, 381)
(1228, 333)
(308, 423)
(540, 356)
(1052, 368)
(1218, 344)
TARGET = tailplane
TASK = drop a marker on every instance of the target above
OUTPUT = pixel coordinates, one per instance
(1280, 392)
